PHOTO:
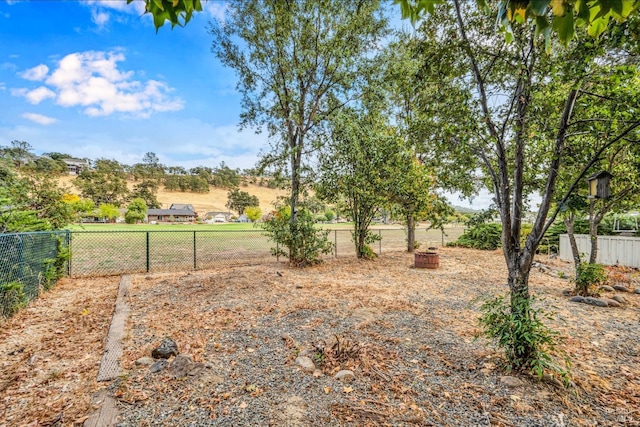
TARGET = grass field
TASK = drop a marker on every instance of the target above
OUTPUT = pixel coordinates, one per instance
(107, 249)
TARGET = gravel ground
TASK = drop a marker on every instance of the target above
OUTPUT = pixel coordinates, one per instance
(407, 334)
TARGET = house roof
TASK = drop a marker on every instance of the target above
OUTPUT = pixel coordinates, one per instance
(174, 212)
(178, 206)
(217, 213)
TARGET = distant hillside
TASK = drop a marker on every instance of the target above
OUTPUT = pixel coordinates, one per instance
(465, 211)
(213, 201)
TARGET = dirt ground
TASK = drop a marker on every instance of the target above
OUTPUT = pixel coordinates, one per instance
(407, 334)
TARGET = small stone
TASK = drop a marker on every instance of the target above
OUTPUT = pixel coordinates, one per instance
(567, 292)
(182, 366)
(317, 373)
(621, 288)
(577, 298)
(158, 366)
(299, 286)
(548, 378)
(345, 375)
(145, 361)
(511, 382)
(619, 298)
(596, 301)
(606, 288)
(612, 302)
(636, 291)
(167, 348)
(305, 363)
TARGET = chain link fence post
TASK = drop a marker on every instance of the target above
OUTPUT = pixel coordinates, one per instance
(147, 251)
(195, 264)
(335, 243)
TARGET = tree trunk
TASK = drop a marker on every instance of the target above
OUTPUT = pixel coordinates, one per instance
(522, 350)
(294, 250)
(411, 233)
(593, 232)
(569, 222)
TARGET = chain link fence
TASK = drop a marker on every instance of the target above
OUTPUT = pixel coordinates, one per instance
(26, 263)
(101, 253)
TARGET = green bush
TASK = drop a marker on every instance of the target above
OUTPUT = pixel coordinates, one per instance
(302, 243)
(12, 298)
(517, 329)
(483, 236)
(588, 277)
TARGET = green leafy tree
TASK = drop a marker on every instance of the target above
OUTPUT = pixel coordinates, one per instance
(105, 183)
(225, 177)
(108, 211)
(254, 213)
(563, 17)
(298, 63)
(498, 133)
(19, 151)
(238, 200)
(147, 190)
(136, 211)
(358, 166)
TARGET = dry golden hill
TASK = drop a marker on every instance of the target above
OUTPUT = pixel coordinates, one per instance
(213, 201)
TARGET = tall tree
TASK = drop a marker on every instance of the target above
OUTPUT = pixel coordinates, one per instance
(105, 183)
(298, 63)
(502, 107)
(240, 200)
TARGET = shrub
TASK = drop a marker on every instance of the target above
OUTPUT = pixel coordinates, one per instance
(302, 243)
(12, 298)
(483, 236)
(588, 277)
(517, 329)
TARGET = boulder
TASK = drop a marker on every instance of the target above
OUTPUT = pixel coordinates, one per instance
(167, 348)
(577, 298)
(183, 366)
(606, 288)
(619, 298)
(612, 302)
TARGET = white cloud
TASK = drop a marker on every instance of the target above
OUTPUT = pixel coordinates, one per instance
(37, 73)
(39, 118)
(38, 95)
(3, 86)
(216, 9)
(92, 80)
(99, 18)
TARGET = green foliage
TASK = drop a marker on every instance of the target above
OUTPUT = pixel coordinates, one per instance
(483, 236)
(147, 190)
(108, 211)
(560, 17)
(176, 12)
(12, 298)
(254, 213)
(55, 268)
(136, 211)
(329, 215)
(518, 329)
(589, 277)
(301, 241)
(481, 217)
(240, 200)
(105, 183)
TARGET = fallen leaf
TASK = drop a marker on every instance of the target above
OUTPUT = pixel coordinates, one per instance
(243, 405)
(347, 389)
(327, 390)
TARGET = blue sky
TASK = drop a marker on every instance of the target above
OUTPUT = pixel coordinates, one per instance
(93, 79)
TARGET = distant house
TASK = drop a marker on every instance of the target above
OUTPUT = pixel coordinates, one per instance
(218, 216)
(182, 206)
(170, 215)
(75, 166)
(243, 218)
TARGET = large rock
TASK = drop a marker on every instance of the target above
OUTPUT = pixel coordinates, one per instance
(636, 291)
(596, 301)
(158, 366)
(577, 298)
(606, 288)
(167, 348)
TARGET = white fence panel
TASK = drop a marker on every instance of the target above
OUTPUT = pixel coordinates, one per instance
(612, 250)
